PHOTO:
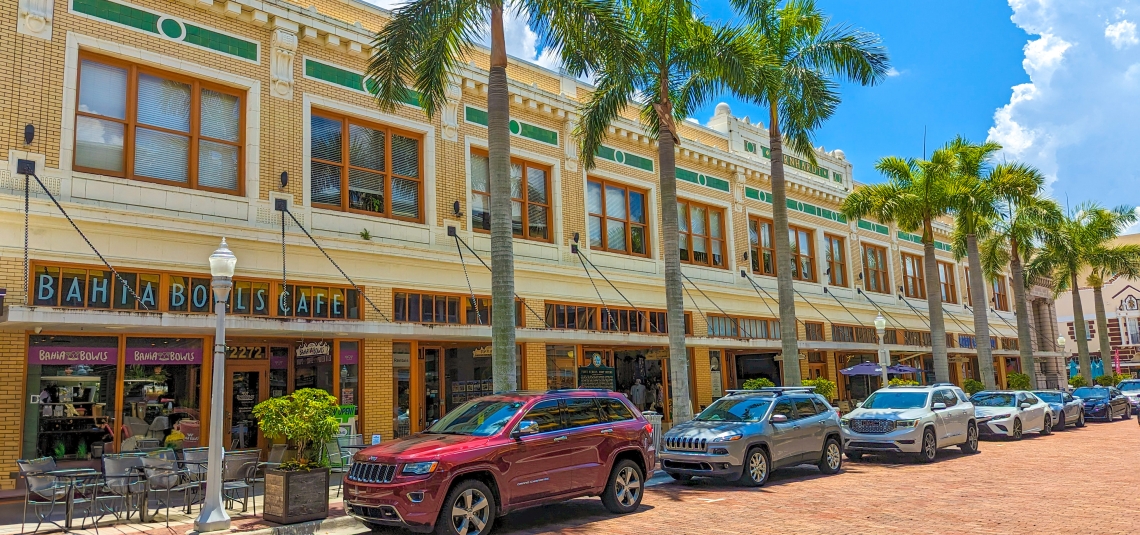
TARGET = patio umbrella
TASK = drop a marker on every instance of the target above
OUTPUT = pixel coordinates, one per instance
(898, 369)
(863, 368)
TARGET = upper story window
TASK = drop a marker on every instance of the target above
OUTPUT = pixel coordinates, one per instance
(836, 260)
(702, 234)
(875, 269)
(803, 254)
(366, 168)
(914, 281)
(530, 197)
(618, 218)
(946, 281)
(969, 289)
(1001, 298)
(144, 124)
(763, 246)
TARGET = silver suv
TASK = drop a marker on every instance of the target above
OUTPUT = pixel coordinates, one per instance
(748, 433)
(911, 419)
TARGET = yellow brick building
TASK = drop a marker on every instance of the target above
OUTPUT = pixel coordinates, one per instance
(162, 126)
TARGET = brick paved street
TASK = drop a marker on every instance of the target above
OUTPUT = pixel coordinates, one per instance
(1038, 485)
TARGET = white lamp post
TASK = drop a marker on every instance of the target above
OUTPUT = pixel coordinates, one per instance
(1060, 343)
(884, 358)
(213, 516)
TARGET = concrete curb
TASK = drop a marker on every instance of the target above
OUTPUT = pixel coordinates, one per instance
(302, 528)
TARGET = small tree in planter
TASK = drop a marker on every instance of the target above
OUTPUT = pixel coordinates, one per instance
(298, 490)
(823, 387)
(1017, 381)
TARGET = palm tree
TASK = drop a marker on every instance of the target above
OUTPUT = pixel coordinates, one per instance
(916, 194)
(1012, 240)
(426, 40)
(677, 62)
(1075, 244)
(1107, 262)
(800, 94)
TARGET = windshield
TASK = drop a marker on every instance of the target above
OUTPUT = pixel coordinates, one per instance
(479, 418)
(736, 410)
(994, 400)
(895, 400)
(1049, 397)
(1129, 386)
(1091, 393)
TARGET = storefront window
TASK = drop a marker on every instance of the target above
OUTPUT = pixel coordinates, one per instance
(468, 374)
(278, 371)
(313, 366)
(402, 376)
(561, 367)
(71, 385)
(160, 392)
(349, 380)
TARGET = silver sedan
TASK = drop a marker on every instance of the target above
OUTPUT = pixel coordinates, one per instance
(1065, 408)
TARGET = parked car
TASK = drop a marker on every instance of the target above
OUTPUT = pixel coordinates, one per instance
(911, 419)
(747, 434)
(1066, 409)
(1104, 402)
(501, 453)
(1011, 413)
(1131, 390)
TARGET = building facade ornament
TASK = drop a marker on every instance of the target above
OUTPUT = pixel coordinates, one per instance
(570, 145)
(35, 18)
(284, 50)
(450, 122)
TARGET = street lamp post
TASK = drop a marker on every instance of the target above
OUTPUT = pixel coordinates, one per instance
(884, 358)
(213, 516)
(1060, 343)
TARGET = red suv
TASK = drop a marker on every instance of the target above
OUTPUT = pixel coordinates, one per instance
(501, 453)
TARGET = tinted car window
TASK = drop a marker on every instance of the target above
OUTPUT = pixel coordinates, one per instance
(961, 395)
(1068, 398)
(615, 410)
(821, 406)
(581, 412)
(546, 414)
(804, 407)
(947, 397)
(1031, 398)
(784, 406)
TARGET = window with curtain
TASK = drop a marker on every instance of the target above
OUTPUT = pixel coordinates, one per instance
(1001, 298)
(946, 281)
(702, 234)
(144, 124)
(365, 168)
(914, 281)
(530, 197)
(836, 260)
(618, 218)
(968, 293)
(803, 254)
(875, 269)
(763, 247)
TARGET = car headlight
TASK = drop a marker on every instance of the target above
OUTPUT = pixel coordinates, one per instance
(906, 423)
(419, 469)
(731, 437)
(845, 422)
(1100, 403)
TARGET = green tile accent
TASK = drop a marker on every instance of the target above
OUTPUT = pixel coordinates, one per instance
(753, 193)
(802, 165)
(750, 147)
(799, 206)
(836, 177)
(518, 128)
(703, 180)
(874, 227)
(349, 79)
(118, 13)
(625, 158)
(915, 238)
(718, 184)
(475, 115)
(169, 27)
(226, 44)
(943, 246)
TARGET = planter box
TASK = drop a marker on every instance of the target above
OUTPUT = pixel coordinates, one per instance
(292, 497)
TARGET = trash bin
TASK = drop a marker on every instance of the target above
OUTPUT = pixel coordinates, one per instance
(657, 421)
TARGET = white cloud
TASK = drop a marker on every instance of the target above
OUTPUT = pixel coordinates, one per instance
(1078, 117)
(1121, 34)
(892, 72)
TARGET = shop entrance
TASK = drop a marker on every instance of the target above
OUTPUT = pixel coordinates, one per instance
(247, 384)
(440, 378)
(641, 374)
(744, 366)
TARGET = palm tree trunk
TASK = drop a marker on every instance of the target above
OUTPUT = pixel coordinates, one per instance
(788, 344)
(502, 252)
(1021, 308)
(674, 291)
(1079, 330)
(981, 313)
(1102, 330)
(934, 306)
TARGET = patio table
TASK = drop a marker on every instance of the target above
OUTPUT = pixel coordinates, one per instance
(70, 475)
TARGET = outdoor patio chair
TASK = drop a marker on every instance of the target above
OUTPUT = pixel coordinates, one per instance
(164, 478)
(238, 471)
(123, 478)
(87, 495)
(41, 490)
(338, 463)
(192, 456)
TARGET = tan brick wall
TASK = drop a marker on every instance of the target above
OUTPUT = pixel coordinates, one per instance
(702, 377)
(378, 392)
(13, 367)
(535, 366)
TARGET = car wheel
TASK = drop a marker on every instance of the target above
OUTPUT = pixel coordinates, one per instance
(971, 444)
(1047, 428)
(1017, 429)
(854, 455)
(756, 468)
(468, 510)
(929, 447)
(1128, 413)
(1061, 423)
(1081, 419)
(683, 478)
(832, 458)
(624, 490)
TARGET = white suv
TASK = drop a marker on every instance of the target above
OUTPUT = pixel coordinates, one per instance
(911, 419)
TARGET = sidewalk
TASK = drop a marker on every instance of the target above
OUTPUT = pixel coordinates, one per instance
(180, 523)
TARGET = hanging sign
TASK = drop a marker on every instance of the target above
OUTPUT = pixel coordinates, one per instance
(311, 353)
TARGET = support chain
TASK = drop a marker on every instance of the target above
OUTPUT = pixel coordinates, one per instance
(853, 316)
(609, 312)
(480, 259)
(474, 302)
(284, 280)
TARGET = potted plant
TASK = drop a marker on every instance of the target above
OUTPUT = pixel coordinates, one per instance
(298, 490)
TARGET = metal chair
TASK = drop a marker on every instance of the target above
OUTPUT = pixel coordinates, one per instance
(86, 492)
(164, 475)
(195, 462)
(41, 490)
(338, 462)
(238, 470)
(123, 478)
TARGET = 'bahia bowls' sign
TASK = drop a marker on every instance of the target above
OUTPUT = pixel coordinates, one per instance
(66, 356)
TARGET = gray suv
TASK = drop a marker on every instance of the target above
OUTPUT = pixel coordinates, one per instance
(748, 433)
(911, 419)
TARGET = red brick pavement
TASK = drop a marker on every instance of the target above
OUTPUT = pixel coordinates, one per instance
(1078, 481)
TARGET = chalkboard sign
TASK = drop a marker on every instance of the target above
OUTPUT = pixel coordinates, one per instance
(599, 377)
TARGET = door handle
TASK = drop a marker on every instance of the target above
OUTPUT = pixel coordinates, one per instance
(560, 439)
(607, 431)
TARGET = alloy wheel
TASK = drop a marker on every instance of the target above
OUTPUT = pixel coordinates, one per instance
(929, 447)
(972, 437)
(758, 466)
(833, 456)
(628, 486)
(469, 513)
(1017, 429)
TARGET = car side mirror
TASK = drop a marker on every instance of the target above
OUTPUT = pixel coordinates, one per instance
(526, 427)
(1026, 405)
(779, 418)
(938, 406)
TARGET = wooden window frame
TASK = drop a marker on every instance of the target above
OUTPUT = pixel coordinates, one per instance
(882, 274)
(740, 329)
(130, 123)
(345, 165)
(969, 291)
(526, 202)
(798, 257)
(946, 282)
(910, 260)
(629, 223)
(1001, 294)
(837, 268)
(758, 249)
(596, 315)
(709, 239)
(465, 307)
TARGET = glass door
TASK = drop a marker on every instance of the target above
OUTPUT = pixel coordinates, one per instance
(247, 385)
(433, 406)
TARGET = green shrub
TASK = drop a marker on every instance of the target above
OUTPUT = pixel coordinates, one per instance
(307, 418)
(1018, 381)
(822, 386)
(1105, 380)
(1120, 377)
(973, 386)
(899, 381)
(1077, 381)
(757, 384)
